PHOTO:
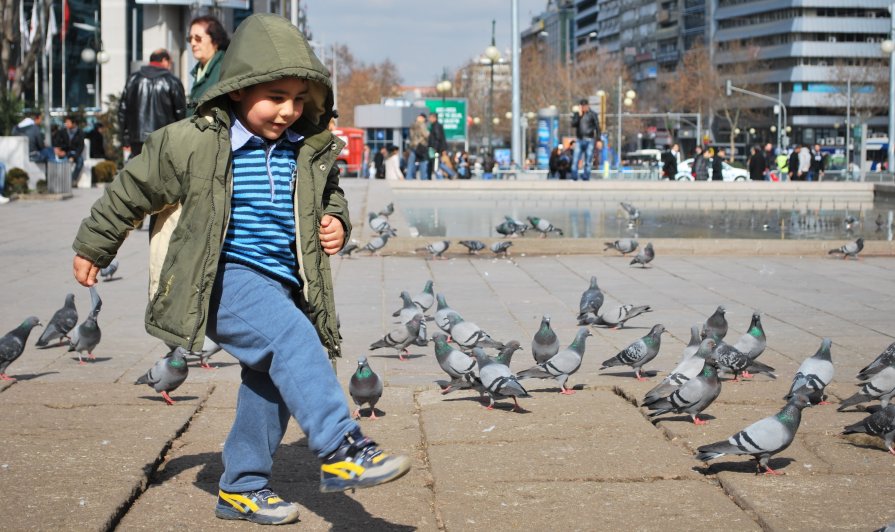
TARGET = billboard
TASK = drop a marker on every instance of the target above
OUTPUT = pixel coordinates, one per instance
(452, 115)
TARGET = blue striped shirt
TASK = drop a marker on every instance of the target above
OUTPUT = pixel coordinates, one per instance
(261, 233)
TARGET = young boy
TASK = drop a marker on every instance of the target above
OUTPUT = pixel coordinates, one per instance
(249, 211)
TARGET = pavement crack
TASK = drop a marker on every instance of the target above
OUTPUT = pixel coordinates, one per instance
(424, 451)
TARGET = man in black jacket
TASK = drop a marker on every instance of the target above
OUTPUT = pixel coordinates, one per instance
(670, 162)
(68, 141)
(153, 98)
(437, 142)
(587, 129)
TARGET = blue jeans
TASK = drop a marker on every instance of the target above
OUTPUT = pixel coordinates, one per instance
(285, 371)
(443, 168)
(583, 147)
(411, 165)
(2, 178)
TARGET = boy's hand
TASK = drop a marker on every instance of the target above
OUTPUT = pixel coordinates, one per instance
(332, 234)
(85, 271)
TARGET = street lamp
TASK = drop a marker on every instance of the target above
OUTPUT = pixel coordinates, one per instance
(628, 101)
(888, 47)
(492, 55)
(444, 86)
(94, 53)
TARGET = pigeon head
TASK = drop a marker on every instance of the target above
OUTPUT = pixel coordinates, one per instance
(800, 398)
(69, 300)
(428, 288)
(657, 330)
(30, 323)
(694, 335)
(823, 352)
(720, 310)
(505, 355)
(442, 302)
(534, 220)
(453, 319)
(545, 321)
(372, 216)
(361, 361)
(706, 348)
(405, 297)
(593, 281)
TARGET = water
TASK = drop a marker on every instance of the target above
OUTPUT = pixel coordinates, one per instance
(474, 215)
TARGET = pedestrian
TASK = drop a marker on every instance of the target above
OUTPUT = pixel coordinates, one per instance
(701, 161)
(97, 141)
(793, 164)
(29, 127)
(770, 162)
(718, 165)
(553, 162)
(208, 40)
(782, 163)
(393, 165)
(587, 129)
(153, 97)
(437, 142)
(488, 164)
(805, 163)
(69, 144)
(757, 164)
(3, 199)
(379, 162)
(418, 149)
(446, 167)
(270, 305)
(463, 165)
(670, 160)
(565, 160)
(818, 164)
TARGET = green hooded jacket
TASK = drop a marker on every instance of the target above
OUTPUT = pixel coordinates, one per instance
(200, 86)
(184, 175)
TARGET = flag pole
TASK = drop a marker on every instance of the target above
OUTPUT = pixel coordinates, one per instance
(62, 33)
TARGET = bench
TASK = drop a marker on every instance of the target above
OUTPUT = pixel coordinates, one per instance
(14, 153)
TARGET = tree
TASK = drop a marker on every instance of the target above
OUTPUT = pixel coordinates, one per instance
(16, 64)
(360, 83)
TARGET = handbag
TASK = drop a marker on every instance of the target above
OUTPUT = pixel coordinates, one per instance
(432, 152)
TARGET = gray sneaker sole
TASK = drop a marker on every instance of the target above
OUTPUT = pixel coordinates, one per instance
(394, 468)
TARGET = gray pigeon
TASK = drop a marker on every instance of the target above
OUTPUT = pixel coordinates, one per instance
(422, 338)
(623, 245)
(510, 227)
(754, 341)
(87, 336)
(501, 247)
(378, 242)
(561, 365)
(365, 387)
(474, 246)
(467, 334)
(108, 272)
(638, 353)
(687, 369)
(408, 310)
(693, 396)
(850, 249)
(167, 374)
(616, 316)
(379, 223)
(63, 321)
(425, 299)
(459, 366)
(443, 313)
(880, 386)
(736, 362)
(497, 380)
(715, 326)
(437, 249)
(209, 348)
(762, 439)
(545, 343)
(543, 226)
(13, 344)
(591, 300)
(884, 360)
(388, 210)
(401, 337)
(349, 248)
(693, 346)
(814, 375)
(644, 256)
(881, 423)
(633, 212)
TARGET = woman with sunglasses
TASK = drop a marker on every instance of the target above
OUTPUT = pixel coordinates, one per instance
(208, 40)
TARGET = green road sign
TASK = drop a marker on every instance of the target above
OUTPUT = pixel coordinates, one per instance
(452, 115)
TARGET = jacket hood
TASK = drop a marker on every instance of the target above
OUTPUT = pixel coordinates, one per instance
(267, 47)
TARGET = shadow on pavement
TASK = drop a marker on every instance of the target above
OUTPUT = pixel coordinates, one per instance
(743, 466)
(30, 376)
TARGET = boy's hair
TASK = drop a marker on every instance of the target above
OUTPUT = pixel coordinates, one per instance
(159, 55)
(215, 30)
(70, 118)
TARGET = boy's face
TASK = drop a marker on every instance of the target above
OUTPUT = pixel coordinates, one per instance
(268, 109)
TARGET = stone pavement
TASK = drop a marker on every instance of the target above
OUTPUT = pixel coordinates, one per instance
(82, 448)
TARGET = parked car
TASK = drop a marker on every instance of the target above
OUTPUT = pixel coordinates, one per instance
(729, 173)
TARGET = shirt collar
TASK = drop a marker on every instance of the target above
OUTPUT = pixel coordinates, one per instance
(239, 135)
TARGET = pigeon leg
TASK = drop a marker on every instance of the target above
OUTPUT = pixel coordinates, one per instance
(638, 376)
(356, 414)
(697, 421)
(91, 356)
(373, 413)
(446, 389)
(769, 471)
(80, 360)
(5, 377)
(516, 407)
(167, 398)
(747, 375)
(824, 403)
(206, 365)
(892, 450)
(566, 391)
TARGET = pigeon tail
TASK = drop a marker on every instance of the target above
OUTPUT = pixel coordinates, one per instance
(716, 450)
(856, 399)
(614, 361)
(535, 372)
(378, 344)
(757, 367)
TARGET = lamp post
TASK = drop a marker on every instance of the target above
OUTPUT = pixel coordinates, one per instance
(492, 55)
(628, 101)
(95, 54)
(444, 86)
(888, 47)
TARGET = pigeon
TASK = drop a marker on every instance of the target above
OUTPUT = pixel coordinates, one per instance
(408, 310)
(379, 223)
(644, 256)
(209, 348)
(623, 246)
(880, 222)
(365, 387)
(501, 247)
(425, 299)
(505, 353)
(849, 250)
(686, 369)
(562, 364)
(591, 299)
(693, 396)
(511, 227)
(880, 386)
(633, 212)
(545, 344)
(693, 346)
(881, 423)
(762, 439)
(638, 353)
(467, 334)
(543, 226)
(87, 336)
(378, 242)
(734, 361)
(884, 360)
(108, 272)
(400, 337)
(443, 313)
(497, 380)
(459, 366)
(615, 317)
(437, 249)
(388, 210)
(422, 338)
(13, 344)
(167, 374)
(715, 326)
(349, 248)
(814, 375)
(63, 321)
(754, 341)
(474, 246)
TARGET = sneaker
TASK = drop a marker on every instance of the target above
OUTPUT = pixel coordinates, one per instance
(359, 463)
(3, 199)
(263, 507)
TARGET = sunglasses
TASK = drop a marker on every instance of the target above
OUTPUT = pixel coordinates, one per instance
(195, 38)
